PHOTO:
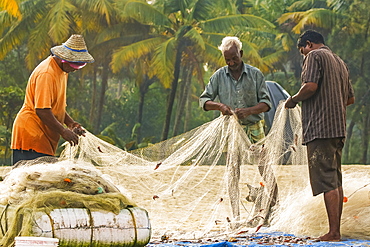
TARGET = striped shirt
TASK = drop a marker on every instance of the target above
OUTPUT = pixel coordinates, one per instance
(324, 114)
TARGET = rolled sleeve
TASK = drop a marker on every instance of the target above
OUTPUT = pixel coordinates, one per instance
(209, 94)
(263, 95)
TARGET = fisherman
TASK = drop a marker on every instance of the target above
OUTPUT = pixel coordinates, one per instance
(241, 90)
(43, 117)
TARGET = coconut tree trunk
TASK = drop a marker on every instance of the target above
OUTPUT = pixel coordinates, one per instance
(365, 139)
(348, 141)
(171, 97)
(93, 98)
(144, 87)
(187, 112)
(104, 85)
(183, 95)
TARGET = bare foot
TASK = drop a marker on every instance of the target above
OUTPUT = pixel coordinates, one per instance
(330, 237)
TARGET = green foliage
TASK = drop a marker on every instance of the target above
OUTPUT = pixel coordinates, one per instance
(139, 40)
(11, 99)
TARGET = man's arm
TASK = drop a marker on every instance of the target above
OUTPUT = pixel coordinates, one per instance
(307, 90)
(257, 109)
(47, 117)
(211, 105)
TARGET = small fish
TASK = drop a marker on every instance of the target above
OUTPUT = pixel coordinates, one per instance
(258, 227)
(156, 167)
(164, 238)
(100, 149)
(231, 239)
(155, 197)
(295, 139)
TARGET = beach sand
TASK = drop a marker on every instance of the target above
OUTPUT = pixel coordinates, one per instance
(300, 215)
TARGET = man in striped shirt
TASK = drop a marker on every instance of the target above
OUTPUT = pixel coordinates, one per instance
(325, 93)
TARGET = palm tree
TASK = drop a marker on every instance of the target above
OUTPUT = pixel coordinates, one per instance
(189, 29)
(11, 6)
(345, 24)
(41, 26)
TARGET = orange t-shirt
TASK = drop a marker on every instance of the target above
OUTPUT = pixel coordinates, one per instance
(46, 88)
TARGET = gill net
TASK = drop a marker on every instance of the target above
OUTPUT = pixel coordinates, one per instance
(210, 182)
(205, 182)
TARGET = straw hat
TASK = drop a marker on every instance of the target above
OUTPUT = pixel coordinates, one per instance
(73, 50)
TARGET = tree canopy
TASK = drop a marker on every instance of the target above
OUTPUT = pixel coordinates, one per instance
(153, 59)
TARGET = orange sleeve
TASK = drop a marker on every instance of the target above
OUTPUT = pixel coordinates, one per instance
(44, 91)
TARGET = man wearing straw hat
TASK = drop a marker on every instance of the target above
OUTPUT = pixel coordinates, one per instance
(43, 117)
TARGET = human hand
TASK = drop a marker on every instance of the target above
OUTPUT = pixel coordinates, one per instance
(225, 109)
(289, 103)
(77, 129)
(242, 113)
(70, 136)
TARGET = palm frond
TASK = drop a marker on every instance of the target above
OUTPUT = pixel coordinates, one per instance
(323, 18)
(172, 6)
(60, 20)
(205, 9)
(13, 37)
(127, 54)
(101, 7)
(213, 38)
(196, 38)
(294, 16)
(39, 44)
(33, 13)
(286, 41)
(262, 38)
(213, 56)
(235, 22)
(251, 55)
(145, 13)
(304, 5)
(6, 21)
(12, 7)
(338, 5)
(274, 57)
(163, 62)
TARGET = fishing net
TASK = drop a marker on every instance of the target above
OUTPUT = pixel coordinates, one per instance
(37, 187)
(210, 182)
(207, 181)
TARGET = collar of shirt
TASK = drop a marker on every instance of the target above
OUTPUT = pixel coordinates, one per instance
(244, 70)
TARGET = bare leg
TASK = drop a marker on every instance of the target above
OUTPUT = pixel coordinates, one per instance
(334, 205)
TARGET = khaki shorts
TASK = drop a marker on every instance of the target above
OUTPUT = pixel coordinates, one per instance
(324, 164)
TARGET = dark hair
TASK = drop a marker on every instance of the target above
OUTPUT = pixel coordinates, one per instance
(310, 35)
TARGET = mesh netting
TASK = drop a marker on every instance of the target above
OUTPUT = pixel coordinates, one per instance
(206, 183)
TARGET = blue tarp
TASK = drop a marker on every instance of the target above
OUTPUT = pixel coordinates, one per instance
(244, 243)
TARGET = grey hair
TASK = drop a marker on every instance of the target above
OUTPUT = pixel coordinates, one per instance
(229, 42)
